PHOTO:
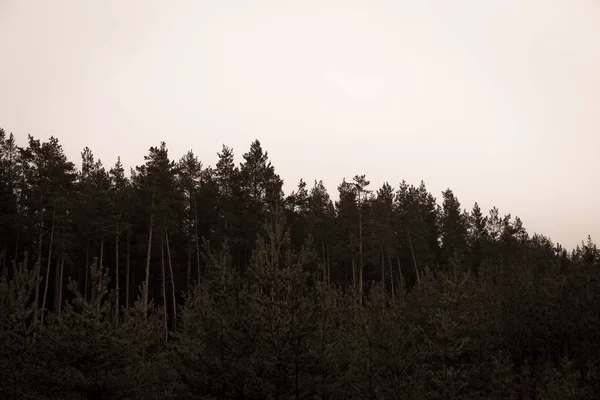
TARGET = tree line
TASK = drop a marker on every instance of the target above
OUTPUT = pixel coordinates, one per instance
(189, 281)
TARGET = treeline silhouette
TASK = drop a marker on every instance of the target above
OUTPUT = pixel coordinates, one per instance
(189, 282)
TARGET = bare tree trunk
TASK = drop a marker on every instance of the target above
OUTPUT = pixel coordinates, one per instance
(353, 273)
(147, 279)
(117, 272)
(164, 288)
(189, 267)
(196, 238)
(60, 287)
(328, 266)
(56, 279)
(127, 259)
(323, 257)
(412, 251)
(48, 269)
(360, 251)
(101, 263)
(402, 286)
(87, 268)
(39, 264)
(391, 277)
(382, 268)
(172, 281)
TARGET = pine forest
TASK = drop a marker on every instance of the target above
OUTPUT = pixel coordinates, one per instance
(178, 280)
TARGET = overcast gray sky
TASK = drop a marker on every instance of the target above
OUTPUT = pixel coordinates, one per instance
(497, 99)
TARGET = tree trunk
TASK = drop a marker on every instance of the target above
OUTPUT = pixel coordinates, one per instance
(147, 279)
(48, 269)
(328, 265)
(174, 319)
(402, 287)
(196, 238)
(117, 272)
(324, 261)
(382, 268)
(16, 258)
(39, 263)
(87, 268)
(412, 252)
(353, 274)
(189, 267)
(360, 252)
(56, 279)
(391, 277)
(60, 286)
(164, 288)
(101, 263)
(127, 259)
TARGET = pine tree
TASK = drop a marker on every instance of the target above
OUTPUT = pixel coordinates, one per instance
(190, 174)
(18, 328)
(346, 235)
(48, 180)
(119, 191)
(384, 232)
(156, 180)
(9, 182)
(85, 353)
(261, 193)
(453, 224)
(320, 224)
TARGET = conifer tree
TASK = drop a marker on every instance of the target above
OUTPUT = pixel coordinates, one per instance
(190, 174)
(453, 224)
(18, 328)
(84, 353)
(48, 177)
(9, 183)
(320, 224)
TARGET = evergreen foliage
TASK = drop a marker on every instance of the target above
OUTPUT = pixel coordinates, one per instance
(185, 281)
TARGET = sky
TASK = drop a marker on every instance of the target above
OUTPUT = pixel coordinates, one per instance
(498, 100)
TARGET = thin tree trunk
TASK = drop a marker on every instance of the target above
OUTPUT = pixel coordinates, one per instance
(172, 281)
(55, 281)
(382, 268)
(60, 287)
(101, 267)
(127, 259)
(328, 265)
(39, 264)
(87, 268)
(353, 274)
(402, 287)
(101, 262)
(196, 238)
(412, 251)
(147, 279)
(57, 278)
(164, 288)
(391, 277)
(189, 267)
(360, 251)
(324, 261)
(47, 270)
(117, 272)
